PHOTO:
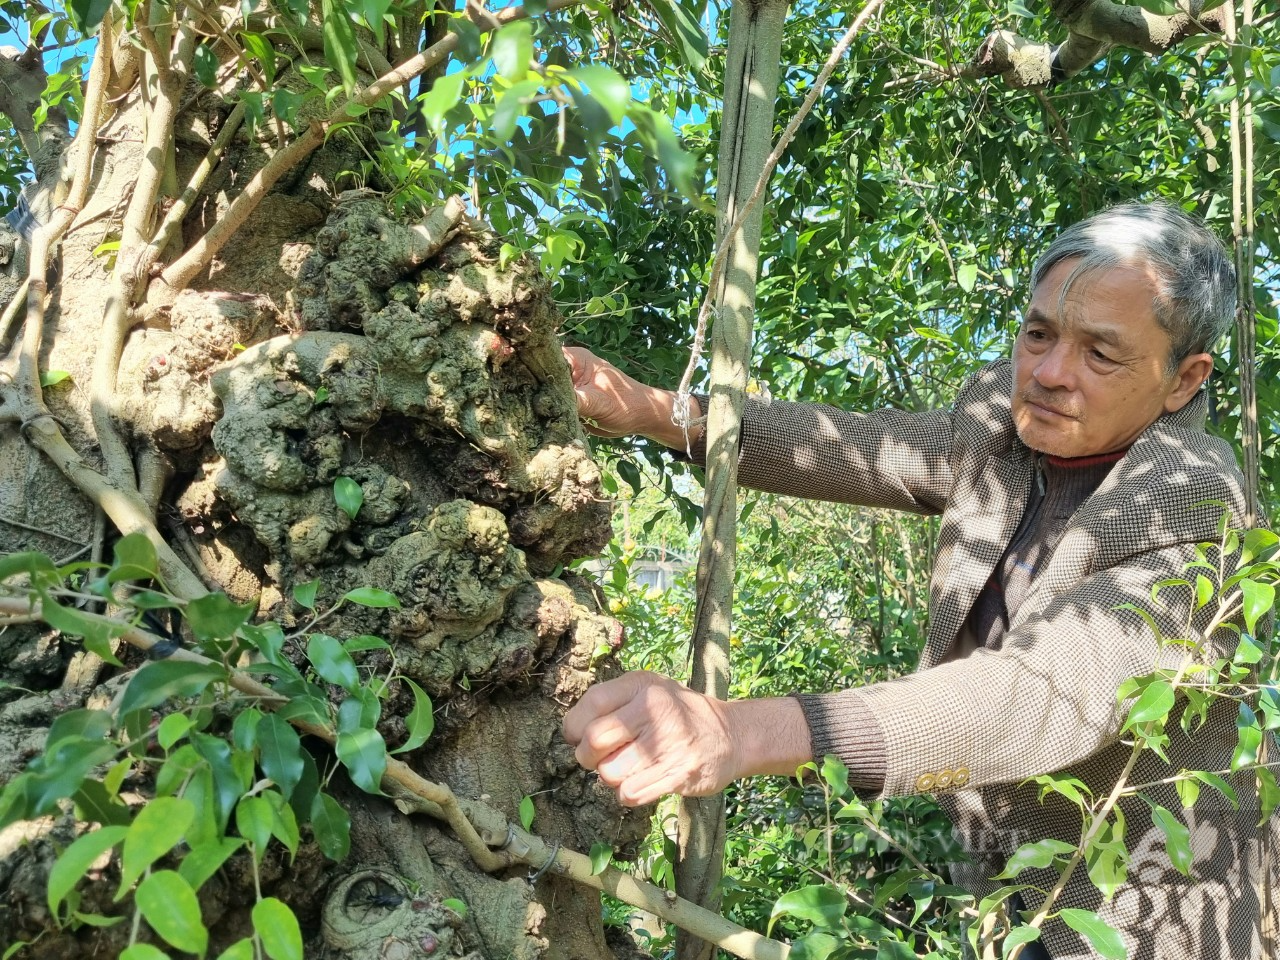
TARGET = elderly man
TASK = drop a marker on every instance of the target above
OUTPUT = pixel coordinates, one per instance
(1069, 481)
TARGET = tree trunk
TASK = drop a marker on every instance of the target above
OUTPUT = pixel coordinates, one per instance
(332, 347)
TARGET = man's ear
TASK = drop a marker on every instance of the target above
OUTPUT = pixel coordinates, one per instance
(1192, 372)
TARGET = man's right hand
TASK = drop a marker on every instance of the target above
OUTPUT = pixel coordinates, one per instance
(613, 404)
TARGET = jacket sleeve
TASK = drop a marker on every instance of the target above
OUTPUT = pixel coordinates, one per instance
(887, 458)
(1045, 700)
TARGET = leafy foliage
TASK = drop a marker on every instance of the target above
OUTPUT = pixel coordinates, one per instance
(220, 787)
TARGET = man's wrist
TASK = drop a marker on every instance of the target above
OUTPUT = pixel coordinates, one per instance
(661, 425)
(770, 736)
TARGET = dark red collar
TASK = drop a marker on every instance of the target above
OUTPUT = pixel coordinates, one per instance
(1078, 463)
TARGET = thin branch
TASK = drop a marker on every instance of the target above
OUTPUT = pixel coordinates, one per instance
(172, 223)
(178, 275)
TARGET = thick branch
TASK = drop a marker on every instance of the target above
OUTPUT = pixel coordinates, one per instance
(182, 271)
(1094, 26)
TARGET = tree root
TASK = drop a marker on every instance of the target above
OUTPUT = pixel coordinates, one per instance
(492, 842)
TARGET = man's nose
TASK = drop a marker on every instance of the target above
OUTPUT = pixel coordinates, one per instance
(1056, 369)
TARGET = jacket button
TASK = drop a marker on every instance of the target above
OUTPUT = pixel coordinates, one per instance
(926, 782)
(944, 780)
(960, 777)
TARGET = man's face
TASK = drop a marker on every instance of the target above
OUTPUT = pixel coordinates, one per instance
(1089, 369)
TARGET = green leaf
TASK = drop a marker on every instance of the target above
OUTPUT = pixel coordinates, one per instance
(332, 663)
(894, 950)
(34, 565)
(339, 41)
(305, 593)
(684, 28)
(1247, 651)
(364, 642)
(1019, 935)
(1177, 839)
(1154, 704)
(85, 15)
(513, 50)
(1017, 8)
(1105, 939)
(135, 559)
(1161, 8)
(1188, 791)
(1215, 781)
(836, 774)
(78, 725)
(143, 951)
(601, 855)
(278, 929)
(1268, 794)
(420, 722)
(1259, 598)
(253, 822)
(1249, 738)
(169, 905)
(215, 617)
(1108, 858)
(240, 950)
(607, 88)
(364, 754)
(815, 946)
(206, 66)
(1039, 854)
(456, 905)
(96, 632)
(280, 752)
(95, 805)
(164, 680)
(967, 276)
(1269, 704)
(172, 729)
(444, 95)
(156, 830)
(331, 826)
(372, 597)
(258, 47)
(205, 859)
(284, 825)
(526, 812)
(349, 495)
(76, 860)
(819, 904)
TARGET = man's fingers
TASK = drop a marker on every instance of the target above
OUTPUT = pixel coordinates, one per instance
(601, 700)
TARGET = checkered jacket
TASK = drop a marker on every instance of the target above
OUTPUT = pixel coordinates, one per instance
(971, 725)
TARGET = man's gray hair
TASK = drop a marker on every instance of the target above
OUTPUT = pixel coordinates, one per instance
(1195, 282)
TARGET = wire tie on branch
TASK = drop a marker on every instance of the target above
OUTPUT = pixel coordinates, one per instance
(536, 875)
